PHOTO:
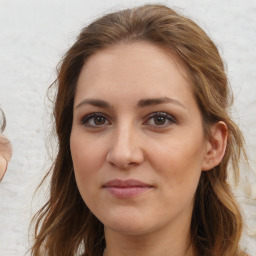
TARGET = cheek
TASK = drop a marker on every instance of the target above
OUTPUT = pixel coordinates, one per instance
(179, 159)
(87, 152)
(84, 159)
(88, 156)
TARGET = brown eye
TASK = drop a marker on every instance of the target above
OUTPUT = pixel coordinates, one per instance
(95, 120)
(159, 120)
(99, 120)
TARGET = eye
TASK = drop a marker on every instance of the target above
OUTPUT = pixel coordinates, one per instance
(95, 120)
(160, 119)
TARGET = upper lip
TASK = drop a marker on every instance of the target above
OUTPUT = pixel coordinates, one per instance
(125, 183)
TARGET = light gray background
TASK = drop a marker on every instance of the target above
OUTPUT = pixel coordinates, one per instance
(34, 34)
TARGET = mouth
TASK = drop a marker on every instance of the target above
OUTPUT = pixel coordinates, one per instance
(126, 188)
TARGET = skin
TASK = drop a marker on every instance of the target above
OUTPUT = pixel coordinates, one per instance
(132, 140)
(3, 167)
(5, 155)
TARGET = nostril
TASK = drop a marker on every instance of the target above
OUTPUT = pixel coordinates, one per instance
(125, 159)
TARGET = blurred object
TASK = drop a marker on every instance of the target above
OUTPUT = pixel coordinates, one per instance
(5, 147)
(2, 121)
(3, 167)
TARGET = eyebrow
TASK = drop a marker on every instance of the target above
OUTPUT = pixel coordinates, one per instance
(155, 101)
(94, 102)
(141, 104)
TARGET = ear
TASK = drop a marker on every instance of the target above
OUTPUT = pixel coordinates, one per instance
(215, 146)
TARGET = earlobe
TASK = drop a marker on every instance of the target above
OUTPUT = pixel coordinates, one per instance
(216, 146)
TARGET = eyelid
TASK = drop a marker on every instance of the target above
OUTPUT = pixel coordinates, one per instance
(84, 120)
(169, 117)
(161, 113)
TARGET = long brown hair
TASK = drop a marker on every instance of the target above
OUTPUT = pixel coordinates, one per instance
(65, 224)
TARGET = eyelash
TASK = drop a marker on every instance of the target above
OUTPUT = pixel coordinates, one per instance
(85, 120)
(168, 119)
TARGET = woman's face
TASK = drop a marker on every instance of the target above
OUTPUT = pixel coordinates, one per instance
(137, 139)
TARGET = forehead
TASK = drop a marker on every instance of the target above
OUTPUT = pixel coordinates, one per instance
(139, 67)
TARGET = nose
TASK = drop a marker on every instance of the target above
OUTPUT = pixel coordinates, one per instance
(125, 149)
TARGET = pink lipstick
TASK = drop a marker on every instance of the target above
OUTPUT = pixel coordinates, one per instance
(126, 188)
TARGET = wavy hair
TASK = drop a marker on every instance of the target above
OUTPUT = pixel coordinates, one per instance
(65, 224)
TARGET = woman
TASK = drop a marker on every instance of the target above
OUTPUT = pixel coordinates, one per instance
(145, 139)
(5, 149)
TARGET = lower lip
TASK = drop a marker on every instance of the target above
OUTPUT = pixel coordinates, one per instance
(127, 192)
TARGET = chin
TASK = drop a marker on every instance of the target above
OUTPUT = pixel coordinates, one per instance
(128, 225)
(131, 230)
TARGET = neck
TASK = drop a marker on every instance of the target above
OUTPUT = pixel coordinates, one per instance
(162, 243)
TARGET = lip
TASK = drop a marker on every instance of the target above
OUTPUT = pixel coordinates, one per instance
(126, 188)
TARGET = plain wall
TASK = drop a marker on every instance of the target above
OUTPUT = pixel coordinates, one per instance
(34, 34)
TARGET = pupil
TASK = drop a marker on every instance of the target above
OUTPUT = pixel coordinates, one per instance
(160, 120)
(99, 120)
